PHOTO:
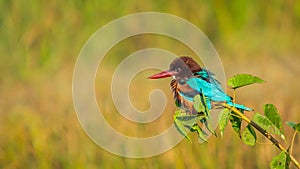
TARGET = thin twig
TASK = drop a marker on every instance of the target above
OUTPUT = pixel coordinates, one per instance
(233, 99)
(263, 132)
(293, 140)
(235, 115)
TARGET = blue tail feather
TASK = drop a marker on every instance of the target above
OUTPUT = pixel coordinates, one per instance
(208, 102)
(239, 106)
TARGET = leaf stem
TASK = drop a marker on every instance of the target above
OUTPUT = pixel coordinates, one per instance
(263, 132)
(234, 93)
(236, 116)
(292, 143)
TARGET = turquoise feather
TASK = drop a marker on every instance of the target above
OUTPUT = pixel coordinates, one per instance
(212, 90)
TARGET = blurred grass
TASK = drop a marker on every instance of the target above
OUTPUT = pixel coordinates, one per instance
(39, 44)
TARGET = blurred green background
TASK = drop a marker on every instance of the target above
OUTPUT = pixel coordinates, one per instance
(39, 44)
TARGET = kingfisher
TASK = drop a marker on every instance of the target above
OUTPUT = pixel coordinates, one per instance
(190, 79)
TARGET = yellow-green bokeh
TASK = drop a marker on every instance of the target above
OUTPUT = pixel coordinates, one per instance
(39, 44)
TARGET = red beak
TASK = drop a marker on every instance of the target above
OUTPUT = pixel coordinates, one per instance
(162, 74)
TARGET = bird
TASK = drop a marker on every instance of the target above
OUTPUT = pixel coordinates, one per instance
(190, 79)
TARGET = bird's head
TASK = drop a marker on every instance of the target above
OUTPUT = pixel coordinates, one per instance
(181, 68)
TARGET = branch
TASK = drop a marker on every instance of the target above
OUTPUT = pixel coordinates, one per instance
(263, 132)
(293, 140)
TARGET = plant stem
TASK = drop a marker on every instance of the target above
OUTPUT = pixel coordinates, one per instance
(263, 132)
(293, 140)
(233, 99)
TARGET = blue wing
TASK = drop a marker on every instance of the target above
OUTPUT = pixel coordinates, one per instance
(211, 90)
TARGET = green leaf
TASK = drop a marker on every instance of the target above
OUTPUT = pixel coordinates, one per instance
(273, 115)
(294, 126)
(179, 112)
(179, 118)
(188, 119)
(280, 161)
(206, 110)
(291, 124)
(208, 126)
(185, 122)
(236, 123)
(198, 104)
(241, 80)
(201, 134)
(181, 128)
(297, 127)
(267, 125)
(223, 120)
(262, 121)
(249, 136)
